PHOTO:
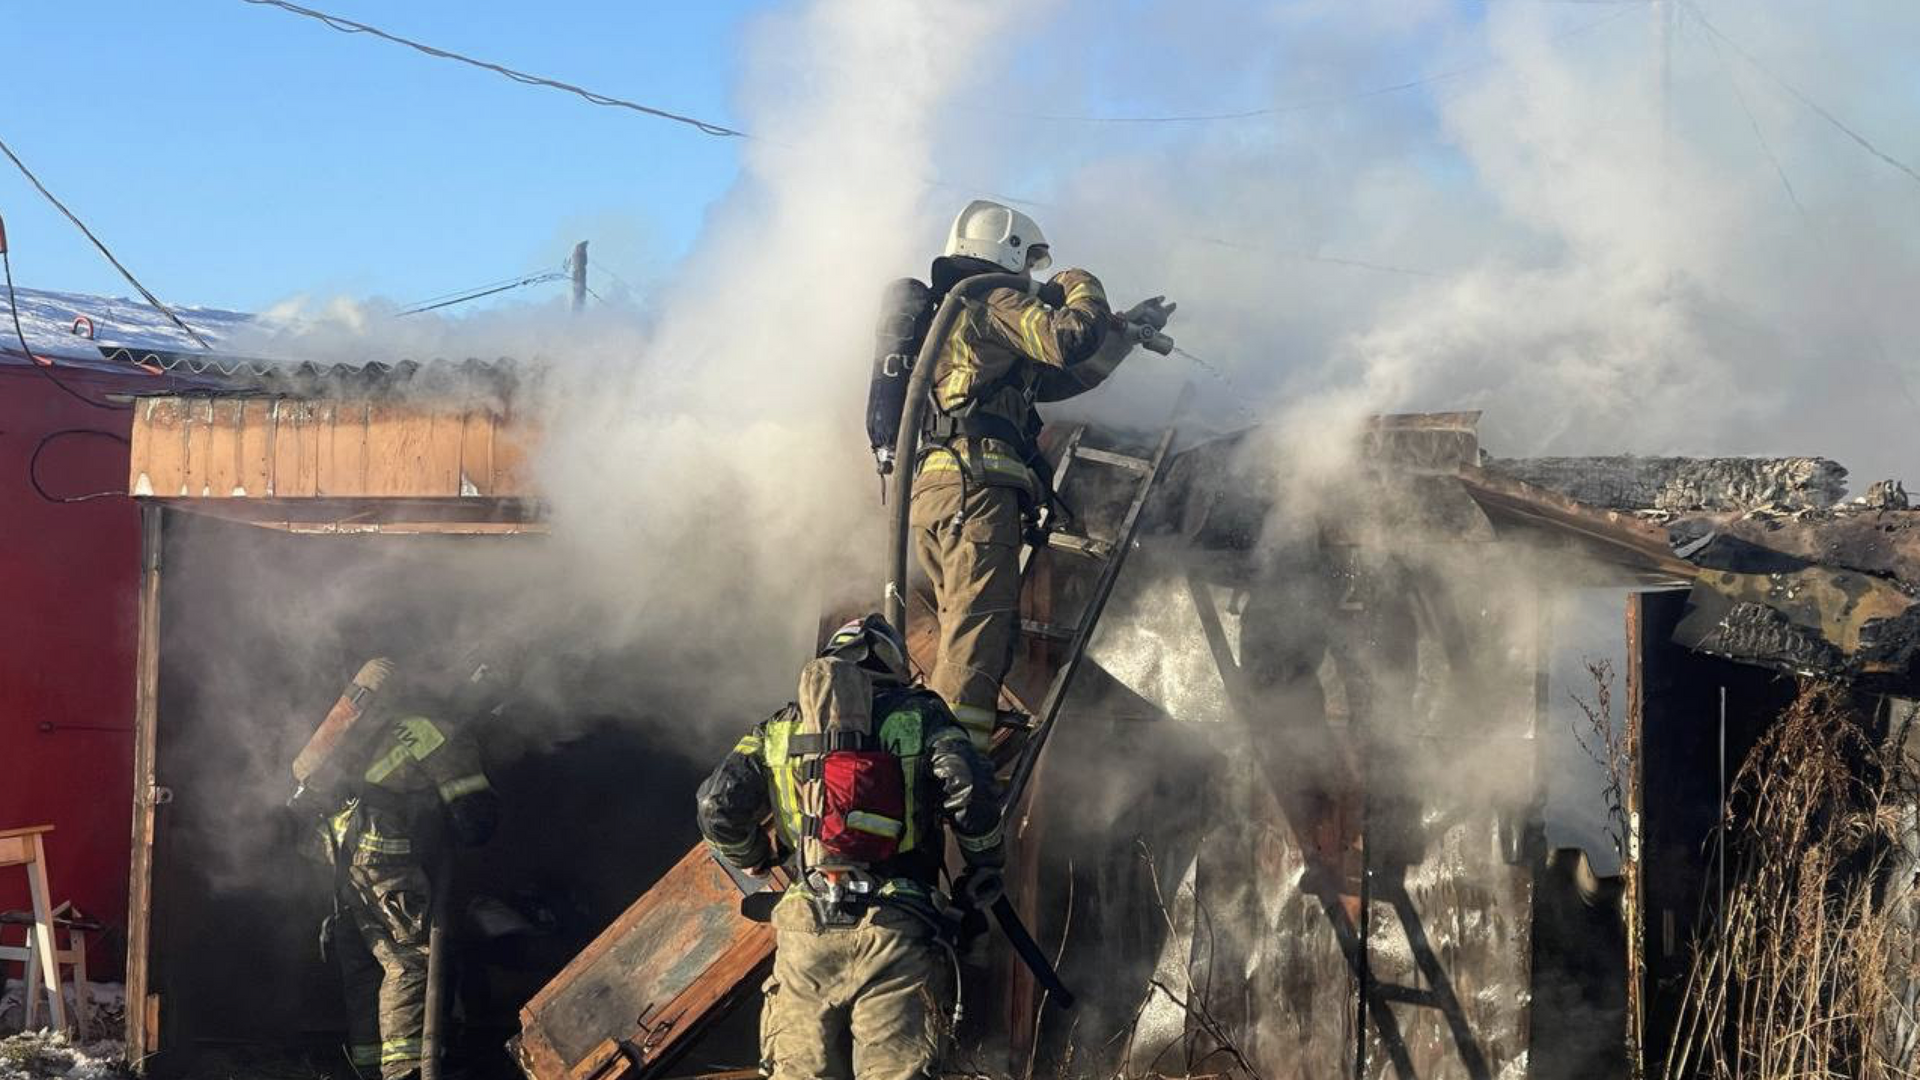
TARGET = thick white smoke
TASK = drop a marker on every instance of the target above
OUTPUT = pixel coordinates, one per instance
(1599, 271)
(1602, 223)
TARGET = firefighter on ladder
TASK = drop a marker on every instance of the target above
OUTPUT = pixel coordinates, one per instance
(413, 784)
(981, 479)
(860, 778)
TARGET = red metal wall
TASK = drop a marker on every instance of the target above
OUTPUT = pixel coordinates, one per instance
(69, 576)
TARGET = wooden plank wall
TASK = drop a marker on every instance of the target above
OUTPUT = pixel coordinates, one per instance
(257, 448)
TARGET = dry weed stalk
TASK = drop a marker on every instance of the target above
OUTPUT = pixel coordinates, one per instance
(1606, 744)
(1195, 1003)
(1808, 972)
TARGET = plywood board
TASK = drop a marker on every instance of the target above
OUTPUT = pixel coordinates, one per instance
(631, 999)
(255, 448)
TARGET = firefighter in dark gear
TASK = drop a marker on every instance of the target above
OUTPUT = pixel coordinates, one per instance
(980, 476)
(417, 784)
(861, 982)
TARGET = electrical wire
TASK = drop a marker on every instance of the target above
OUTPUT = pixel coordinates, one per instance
(33, 464)
(1753, 122)
(348, 26)
(437, 297)
(34, 362)
(88, 233)
(1626, 8)
(484, 290)
(1799, 95)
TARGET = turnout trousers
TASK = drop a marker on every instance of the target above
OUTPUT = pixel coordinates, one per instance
(867, 1000)
(381, 942)
(968, 543)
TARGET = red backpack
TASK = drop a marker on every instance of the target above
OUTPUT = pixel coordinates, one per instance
(851, 788)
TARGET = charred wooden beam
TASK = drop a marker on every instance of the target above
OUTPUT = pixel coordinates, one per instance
(1627, 482)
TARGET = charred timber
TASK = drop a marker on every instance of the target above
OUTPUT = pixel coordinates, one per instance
(1681, 484)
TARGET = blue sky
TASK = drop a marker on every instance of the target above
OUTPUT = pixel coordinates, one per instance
(234, 154)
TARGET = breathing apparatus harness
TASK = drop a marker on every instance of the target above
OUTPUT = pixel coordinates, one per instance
(906, 315)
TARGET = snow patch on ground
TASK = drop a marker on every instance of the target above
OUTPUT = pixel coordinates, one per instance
(44, 1055)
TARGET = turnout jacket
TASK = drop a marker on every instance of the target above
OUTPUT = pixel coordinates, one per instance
(948, 782)
(418, 766)
(1006, 352)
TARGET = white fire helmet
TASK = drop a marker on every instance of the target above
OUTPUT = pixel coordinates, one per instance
(1001, 235)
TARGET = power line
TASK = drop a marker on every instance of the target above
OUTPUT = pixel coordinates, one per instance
(88, 233)
(1801, 96)
(484, 290)
(13, 309)
(348, 26)
(1759, 135)
(1626, 7)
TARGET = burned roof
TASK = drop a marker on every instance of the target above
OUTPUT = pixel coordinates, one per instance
(1783, 573)
(470, 380)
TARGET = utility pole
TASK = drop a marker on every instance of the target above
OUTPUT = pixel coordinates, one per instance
(579, 276)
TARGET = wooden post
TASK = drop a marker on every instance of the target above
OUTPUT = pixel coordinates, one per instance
(579, 266)
(44, 946)
(141, 1033)
(1633, 879)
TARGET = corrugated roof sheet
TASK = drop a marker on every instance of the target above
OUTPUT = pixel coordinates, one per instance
(128, 337)
(222, 376)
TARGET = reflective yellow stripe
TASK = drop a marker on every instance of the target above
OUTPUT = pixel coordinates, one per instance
(749, 744)
(414, 737)
(984, 842)
(875, 824)
(740, 850)
(1081, 291)
(465, 785)
(398, 1050)
(386, 764)
(385, 845)
(1033, 328)
(786, 802)
(420, 736)
(944, 461)
(337, 824)
(904, 735)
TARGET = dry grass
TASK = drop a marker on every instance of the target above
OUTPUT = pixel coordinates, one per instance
(1809, 971)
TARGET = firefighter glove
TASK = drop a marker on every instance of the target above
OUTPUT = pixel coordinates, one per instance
(1153, 311)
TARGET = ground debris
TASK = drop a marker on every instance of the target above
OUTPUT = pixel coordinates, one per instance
(46, 1055)
(1885, 495)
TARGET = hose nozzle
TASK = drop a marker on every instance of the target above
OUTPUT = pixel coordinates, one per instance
(1150, 338)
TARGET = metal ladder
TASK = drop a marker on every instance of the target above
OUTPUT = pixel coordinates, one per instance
(1109, 553)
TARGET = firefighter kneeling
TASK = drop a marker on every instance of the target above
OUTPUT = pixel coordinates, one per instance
(860, 778)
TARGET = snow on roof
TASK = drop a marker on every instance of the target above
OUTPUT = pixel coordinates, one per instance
(86, 331)
(129, 337)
